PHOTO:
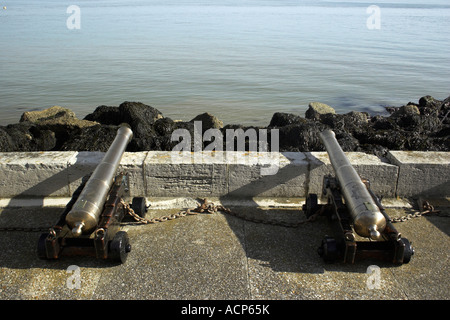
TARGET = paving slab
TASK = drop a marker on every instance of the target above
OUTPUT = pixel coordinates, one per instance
(222, 257)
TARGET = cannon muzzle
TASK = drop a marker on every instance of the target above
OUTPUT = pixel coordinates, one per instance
(86, 211)
(367, 218)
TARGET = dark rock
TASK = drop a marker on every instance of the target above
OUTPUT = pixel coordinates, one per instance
(138, 115)
(56, 119)
(105, 115)
(61, 121)
(378, 150)
(429, 106)
(442, 143)
(6, 143)
(333, 121)
(141, 118)
(382, 123)
(406, 116)
(409, 109)
(189, 126)
(95, 138)
(229, 144)
(352, 122)
(444, 131)
(164, 126)
(408, 121)
(347, 141)
(281, 119)
(418, 142)
(208, 121)
(316, 109)
(444, 113)
(429, 124)
(301, 137)
(25, 136)
(391, 139)
(423, 126)
(391, 109)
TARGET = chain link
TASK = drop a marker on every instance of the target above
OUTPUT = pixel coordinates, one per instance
(210, 208)
(427, 209)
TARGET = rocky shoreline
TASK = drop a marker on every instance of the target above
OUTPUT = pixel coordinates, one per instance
(422, 126)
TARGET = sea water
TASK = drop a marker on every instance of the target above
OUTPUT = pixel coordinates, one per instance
(242, 61)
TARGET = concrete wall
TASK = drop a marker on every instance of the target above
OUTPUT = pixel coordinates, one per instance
(218, 174)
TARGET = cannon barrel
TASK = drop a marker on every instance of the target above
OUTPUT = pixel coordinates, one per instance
(368, 220)
(86, 211)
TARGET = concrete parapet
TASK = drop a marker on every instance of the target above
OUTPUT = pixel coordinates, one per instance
(224, 174)
(81, 164)
(422, 173)
(184, 174)
(270, 175)
(382, 176)
(34, 174)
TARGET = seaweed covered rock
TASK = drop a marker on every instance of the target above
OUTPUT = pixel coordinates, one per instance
(26, 136)
(94, 138)
(429, 106)
(281, 119)
(301, 137)
(208, 121)
(418, 126)
(141, 118)
(105, 115)
(62, 122)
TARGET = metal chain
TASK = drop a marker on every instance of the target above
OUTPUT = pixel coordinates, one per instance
(427, 210)
(209, 207)
(142, 220)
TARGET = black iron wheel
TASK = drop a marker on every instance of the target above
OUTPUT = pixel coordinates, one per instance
(329, 249)
(41, 251)
(408, 252)
(138, 204)
(311, 205)
(119, 247)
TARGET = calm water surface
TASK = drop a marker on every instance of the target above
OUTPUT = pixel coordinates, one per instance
(239, 60)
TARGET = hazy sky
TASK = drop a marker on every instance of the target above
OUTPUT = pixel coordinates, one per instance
(393, 1)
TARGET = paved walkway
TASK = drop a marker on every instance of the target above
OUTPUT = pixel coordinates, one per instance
(217, 256)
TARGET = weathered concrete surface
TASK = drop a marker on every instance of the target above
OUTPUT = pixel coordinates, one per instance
(268, 175)
(34, 174)
(184, 174)
(217, 174)
(422, 173)
(382, 176)
(217, 256)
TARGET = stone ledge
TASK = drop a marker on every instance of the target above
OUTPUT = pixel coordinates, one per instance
(422, 173)
(224, 174)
